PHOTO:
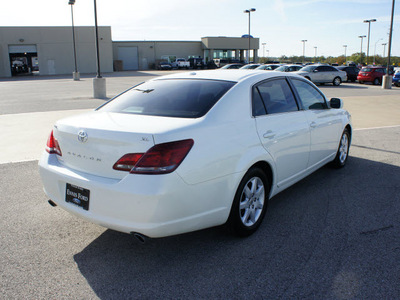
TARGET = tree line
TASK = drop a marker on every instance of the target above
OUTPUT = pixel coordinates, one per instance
(340, 60)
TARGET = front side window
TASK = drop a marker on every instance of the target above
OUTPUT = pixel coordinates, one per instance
(276, 96)
(309, 95)
(180, 98)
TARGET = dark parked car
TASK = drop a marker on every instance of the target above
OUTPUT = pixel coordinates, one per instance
(352, 72)
(164, 65)
(232, 66)
(196, 63)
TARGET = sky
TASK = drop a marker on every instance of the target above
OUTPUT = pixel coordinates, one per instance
(281, 24)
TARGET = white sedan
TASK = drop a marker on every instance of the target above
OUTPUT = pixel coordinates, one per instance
(193, 150)
(323, 74)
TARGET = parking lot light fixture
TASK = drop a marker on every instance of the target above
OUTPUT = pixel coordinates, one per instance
(263, 44)
(249, 11)
(75, 74)
(304, 49)
(375, 49)
(369, 29)
(361, 37)
(345, 54)
(384, 48)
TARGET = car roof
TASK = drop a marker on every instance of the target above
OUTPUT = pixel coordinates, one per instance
(226, 75)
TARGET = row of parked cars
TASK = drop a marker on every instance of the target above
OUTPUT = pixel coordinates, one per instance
(323, 73)
(317, 73)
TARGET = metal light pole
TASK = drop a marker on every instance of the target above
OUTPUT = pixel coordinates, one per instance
(345, 54)
(263, 44)
(384, 49)
(248, 11)
(315, 52)
(387, 79)
(361, 37)
(267, 54)
(99, 83)
(75, 74)
(304, 49)
(369, 29)
(375, 48)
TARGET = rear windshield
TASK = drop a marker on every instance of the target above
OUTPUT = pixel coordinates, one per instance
(180, 98)
(367, 70)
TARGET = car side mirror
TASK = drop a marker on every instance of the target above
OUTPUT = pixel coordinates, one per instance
(336, 103)
(315, 71)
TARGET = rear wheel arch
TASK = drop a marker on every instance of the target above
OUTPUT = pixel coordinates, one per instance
(348, 127)
(267, 169)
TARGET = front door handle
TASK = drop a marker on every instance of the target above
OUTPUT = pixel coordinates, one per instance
(269, 135)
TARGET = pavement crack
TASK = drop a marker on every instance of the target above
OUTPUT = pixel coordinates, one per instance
(377, 230)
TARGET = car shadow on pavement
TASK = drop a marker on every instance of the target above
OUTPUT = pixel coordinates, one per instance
(335, 234)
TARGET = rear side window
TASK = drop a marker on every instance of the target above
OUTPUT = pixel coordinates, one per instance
(309, 96)
(180, 98)
(276, 96)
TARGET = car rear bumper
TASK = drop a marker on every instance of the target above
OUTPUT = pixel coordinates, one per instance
(365, 78)
(152, 205)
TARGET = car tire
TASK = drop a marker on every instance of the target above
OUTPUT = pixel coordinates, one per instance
(250, 203)
(376, 81)
(361, 82)
(337, 81)
(343, 150)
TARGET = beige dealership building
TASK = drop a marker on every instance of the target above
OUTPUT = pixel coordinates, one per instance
(49, 50)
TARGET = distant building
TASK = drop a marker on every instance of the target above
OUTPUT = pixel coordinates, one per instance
(49, 50)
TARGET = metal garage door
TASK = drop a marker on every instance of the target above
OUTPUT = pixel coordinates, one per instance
(129, 57)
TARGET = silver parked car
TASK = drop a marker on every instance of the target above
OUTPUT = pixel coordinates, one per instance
(289, 68)
(323, 74)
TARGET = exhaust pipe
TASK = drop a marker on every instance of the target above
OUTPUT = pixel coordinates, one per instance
(52, 203)
(140, 237)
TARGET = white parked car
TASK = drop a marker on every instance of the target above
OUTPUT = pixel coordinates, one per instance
(193, 150)
(323, 74)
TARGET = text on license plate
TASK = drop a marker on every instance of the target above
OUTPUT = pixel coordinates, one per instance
(77, 195)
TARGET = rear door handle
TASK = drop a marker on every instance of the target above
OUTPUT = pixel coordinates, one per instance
(269, 135)
(313, 125)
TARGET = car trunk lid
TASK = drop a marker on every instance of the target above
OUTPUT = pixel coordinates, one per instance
(94, 142)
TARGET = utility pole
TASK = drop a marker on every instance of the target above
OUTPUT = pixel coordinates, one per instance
(361, 37)
(369, 29)
(304, 49)
(249, 11)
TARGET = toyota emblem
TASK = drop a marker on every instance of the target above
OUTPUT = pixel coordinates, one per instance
(82, 136)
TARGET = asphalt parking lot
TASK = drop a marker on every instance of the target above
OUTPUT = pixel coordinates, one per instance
(333, 235)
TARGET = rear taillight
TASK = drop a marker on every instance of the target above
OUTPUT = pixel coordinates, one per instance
(127, 162)
(159, 159)
(52, 145)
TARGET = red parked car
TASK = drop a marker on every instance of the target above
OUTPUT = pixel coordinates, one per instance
(371, 74)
